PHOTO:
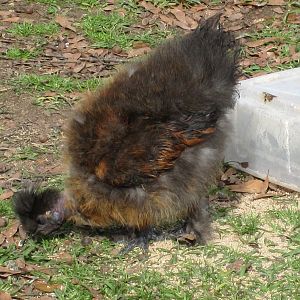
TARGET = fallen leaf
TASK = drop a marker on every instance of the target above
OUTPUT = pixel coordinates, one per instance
(293, 18)
(228, 173)
(253, 44)
(276, 2)
(150, 7)
(47, 287)
(20, 263)
(5, 296)
(252, 186)
(5, 13)
(76, 39)
(235, 28)
(5, 272)
(179, 15)
(138, 52)
(79, 67)
(181, 25)
(238, 266)
(116, 49)
(24, 9)
(11, 20)
(191, 22)
(198, 7)
(187, 238)
(64, 257)
(72, 56)
(167, 20)
(98, 52)
(235, 17)
(12, 230)
(109, 7)
(6, 195)
(278, 10)
(139, 44)
(22, 233)
(64, 22)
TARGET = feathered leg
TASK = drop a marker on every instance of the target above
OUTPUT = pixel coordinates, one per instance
(140, 240)
(40, 211)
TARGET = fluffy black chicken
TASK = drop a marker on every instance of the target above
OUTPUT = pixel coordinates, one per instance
(143, 150)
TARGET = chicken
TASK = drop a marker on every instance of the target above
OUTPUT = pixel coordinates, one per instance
(143, 150)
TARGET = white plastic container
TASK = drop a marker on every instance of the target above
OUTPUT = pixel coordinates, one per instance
(266, 123)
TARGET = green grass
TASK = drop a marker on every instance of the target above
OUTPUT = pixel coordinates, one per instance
(109, 30)
(24, 54)
(288, 38)
(244, 225)
(6, 209)
(28, 29)
(199, 272)
(82, 3)
(54, 83)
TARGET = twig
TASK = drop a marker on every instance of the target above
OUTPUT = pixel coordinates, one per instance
(65, 60)
(269, 195)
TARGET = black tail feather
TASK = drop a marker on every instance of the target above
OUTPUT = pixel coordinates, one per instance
(29, 204)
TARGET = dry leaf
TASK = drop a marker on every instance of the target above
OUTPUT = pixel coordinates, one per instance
(76, 39)
(139, 44)
(64, 22)
(150, 7)
(228, 173)
(138, 52)
(24, 9)
(187, 238)
(11, 20)
(253, 44)
(235, 17)
(12, 230)
(46, 287)
(167, 20)
(22, 233)
(98, 52)
(78, 68)
(6, 195)
(181, 25)
(179, 15)
(252, 186)
(278, 10)
(64, 257)
(235, 28)
(5, 272)
(109, 7)
(236, 266)
(5, 13)
(72, 56)
(293, 18)
(276, 2)
(20, 263)
(5, 296)
(193, 24)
